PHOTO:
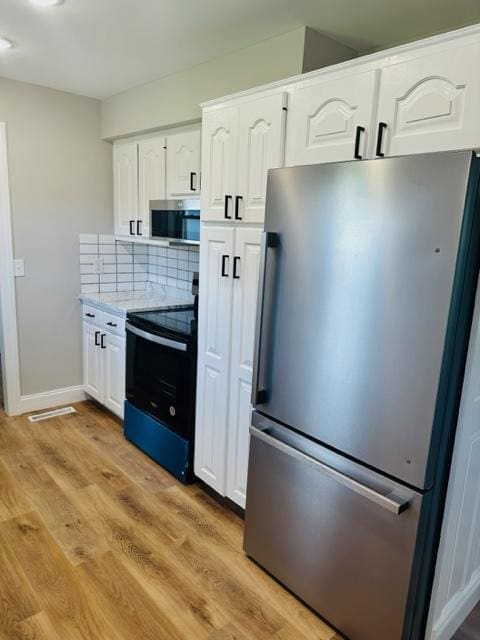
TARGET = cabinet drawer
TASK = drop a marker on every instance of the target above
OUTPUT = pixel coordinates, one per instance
(113, 324)
(92, 315)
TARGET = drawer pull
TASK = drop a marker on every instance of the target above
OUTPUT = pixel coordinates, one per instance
(112, 324)
(90, 315)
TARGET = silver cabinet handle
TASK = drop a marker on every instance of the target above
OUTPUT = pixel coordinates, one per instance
(390, 501)
(166, 342)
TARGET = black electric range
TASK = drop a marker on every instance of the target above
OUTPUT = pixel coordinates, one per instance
(161, 371)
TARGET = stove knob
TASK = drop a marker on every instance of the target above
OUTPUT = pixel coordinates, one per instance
(172, 411)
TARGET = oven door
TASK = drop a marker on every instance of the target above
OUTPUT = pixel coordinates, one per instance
(175, 220)
(161, 378)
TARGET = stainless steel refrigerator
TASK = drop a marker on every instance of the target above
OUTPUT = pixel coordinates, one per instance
(366, 296)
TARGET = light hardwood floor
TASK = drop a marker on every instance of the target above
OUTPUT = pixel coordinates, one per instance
(97, 542)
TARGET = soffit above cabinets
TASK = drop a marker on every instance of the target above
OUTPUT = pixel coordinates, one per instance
(102, 48)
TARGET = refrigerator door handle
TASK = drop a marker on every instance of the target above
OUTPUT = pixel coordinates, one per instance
(390, 501)
(269, 240)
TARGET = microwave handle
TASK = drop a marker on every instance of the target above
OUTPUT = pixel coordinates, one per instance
(139, 227)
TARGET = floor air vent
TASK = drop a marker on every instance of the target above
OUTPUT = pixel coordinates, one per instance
(46, 415)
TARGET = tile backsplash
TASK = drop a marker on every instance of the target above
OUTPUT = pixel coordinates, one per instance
(107, 265)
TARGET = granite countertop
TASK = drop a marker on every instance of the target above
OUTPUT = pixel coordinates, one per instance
(122, 302)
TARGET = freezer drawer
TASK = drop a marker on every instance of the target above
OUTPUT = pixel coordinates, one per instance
(338, 536)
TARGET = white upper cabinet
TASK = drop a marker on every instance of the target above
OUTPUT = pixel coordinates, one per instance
(261, 146)
(240, 144)
(151, 179)
(332, 119)
(219, 163)
(214, 336)
(245, 283)
(183, 164)
(431, 103)
(125, 186)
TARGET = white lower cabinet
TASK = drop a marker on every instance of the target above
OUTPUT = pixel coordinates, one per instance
(104, 360)
(229, 263)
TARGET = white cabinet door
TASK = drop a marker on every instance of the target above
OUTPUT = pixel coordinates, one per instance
(324, 119)
(219, 163)
(151, 179)
(183, 164)
(432, 103)
(214, 335)
(92, 362)
(261, 144)
(114, 373)
(247, 254)
(125, 186)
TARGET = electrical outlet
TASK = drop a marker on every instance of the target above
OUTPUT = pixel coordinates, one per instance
(19, 267)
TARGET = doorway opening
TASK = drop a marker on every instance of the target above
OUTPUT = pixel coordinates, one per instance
(9, 358)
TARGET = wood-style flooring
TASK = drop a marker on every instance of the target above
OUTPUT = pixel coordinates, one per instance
(97, 542)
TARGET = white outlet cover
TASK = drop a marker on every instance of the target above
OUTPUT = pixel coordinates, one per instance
(19, 267)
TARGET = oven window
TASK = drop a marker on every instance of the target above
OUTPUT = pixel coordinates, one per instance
(180, 225)
(160, 381)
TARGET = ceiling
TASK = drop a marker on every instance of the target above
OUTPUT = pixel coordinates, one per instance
(101, 47)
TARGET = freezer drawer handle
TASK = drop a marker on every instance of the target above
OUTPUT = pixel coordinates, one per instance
(166, 342)
(391, 502)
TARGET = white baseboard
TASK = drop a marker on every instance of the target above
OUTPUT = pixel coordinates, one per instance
(49, 399)
(457, 610)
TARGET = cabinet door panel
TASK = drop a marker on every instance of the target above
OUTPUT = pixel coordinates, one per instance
(125, 186)
(183, 164)
(114, 373)
(92, 362)
(261, 144)
(323, 119)
(431, 103)
(247, 248)
(219, 161)
(214, 335)
(151, 178)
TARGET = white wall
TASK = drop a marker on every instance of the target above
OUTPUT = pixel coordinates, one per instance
(60, 184)
(176, 98)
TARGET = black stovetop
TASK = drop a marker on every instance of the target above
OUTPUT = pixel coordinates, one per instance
(178, 322)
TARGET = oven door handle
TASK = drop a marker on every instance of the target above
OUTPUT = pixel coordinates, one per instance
(151, 337)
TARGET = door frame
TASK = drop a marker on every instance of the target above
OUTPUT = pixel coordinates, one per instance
(9, 330)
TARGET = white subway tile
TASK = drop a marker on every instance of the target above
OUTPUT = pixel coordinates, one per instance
(153, 278)
(89, 288)
(125, 286)
(140, 259)
(109, 259)
(108, 277)
(140, 277)
(162, 271)
(110, 268)
(88, 238)
(108, 288)
(162, 251)
(87, 259)
(172, 282)
(88, 248)
(124, 248)
(162, 280)
(139, 286)
(124, 268)
(183, 285)
(106, 239)
(124, 259)
(87, 268)
(152, 250)
(183, 264)
(106, 249)
(172, 273)
(140, 248)
(89, 279)
(183, 275)
(172, 262)
(124, 277)
(162, 261)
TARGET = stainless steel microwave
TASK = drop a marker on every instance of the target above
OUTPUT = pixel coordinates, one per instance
(175, 220)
